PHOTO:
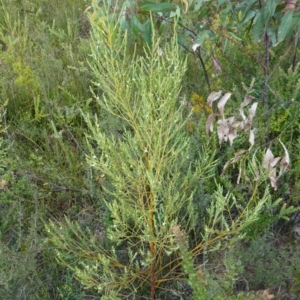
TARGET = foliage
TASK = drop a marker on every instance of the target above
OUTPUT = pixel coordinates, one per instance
(262, 257)
(284, 121)
(41, 173)
(143, 163)
(48, 106)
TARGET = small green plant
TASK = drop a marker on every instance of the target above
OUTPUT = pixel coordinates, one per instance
(49, 111)
(138, 142)
(196, 278)
(68, 290)
(265, 256)
(145, 193)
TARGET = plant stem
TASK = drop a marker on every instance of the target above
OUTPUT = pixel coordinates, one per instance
(152, 252)
(204, 69)
(152, 244)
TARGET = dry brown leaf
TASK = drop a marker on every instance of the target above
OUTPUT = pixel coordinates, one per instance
(236, 124)
(239, 154)
(223, 131)
(247, 121)
(286, 153)
(252, 137)
(267, 158)
(246, 125)
(242, 114)
(285, 161)
(232, 135)
(232, 129)
(269, 163)
(213, 96)
(226, 165)
(283, 165)
(257, 175)
(209, 124)
(222, 103)
(233, 160)
(252, 111)
(247, 100)
(273, 178)
(240, 175)
(274, 162)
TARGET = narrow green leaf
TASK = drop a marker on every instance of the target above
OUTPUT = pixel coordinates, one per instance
(148, 33)
(198, 5)
(297, 15)
(148, 6)
(220, 2)
(161, 7)
(225, 45)
(225, 12)
(271, 7)
(272, 36)
(234, 36)
(248, 16)
(211, 33)
(260, 23)
(137, 23)
(162, 28)
(199, 40)
(165, 7)
(285, 26)
(202, 14)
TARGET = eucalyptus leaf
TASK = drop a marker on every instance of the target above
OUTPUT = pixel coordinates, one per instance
(200, 39)
(285, 26)
(148, 33)
(260, 23)
(161, 7)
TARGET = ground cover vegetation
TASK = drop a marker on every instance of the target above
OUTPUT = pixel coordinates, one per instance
(149, 150)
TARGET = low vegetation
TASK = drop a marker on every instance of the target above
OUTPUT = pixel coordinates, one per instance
(149, 150)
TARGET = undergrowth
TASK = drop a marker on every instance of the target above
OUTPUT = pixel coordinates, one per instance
(231, 236)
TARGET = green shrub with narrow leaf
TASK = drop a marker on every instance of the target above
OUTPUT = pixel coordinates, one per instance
(139, 143)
